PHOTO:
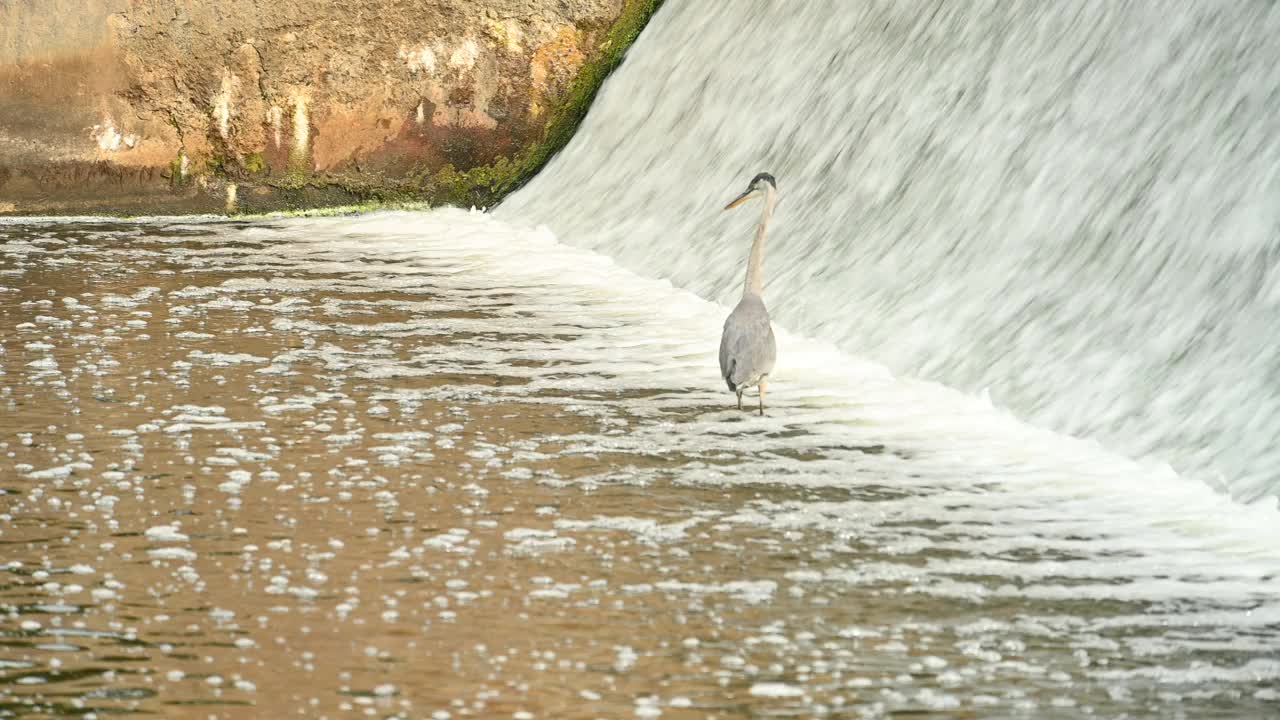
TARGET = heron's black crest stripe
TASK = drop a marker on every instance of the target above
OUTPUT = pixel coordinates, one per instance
(765, 176)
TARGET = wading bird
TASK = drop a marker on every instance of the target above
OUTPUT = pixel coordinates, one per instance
(747, 349)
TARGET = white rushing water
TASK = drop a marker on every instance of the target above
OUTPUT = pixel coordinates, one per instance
(1074, 207)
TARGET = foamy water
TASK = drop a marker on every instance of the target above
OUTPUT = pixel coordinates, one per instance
(1070, 207)
(443, 465)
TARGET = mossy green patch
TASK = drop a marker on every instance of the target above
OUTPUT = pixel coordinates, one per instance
(357, 188)
(177, 178)
(254, 164)
(486, 185)
(216, 165)
(337, 210)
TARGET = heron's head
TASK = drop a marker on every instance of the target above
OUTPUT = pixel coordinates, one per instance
(759, 187)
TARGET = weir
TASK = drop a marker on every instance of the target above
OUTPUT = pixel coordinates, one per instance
(1071, 208)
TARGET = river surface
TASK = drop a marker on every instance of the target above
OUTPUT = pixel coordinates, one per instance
(443, 465)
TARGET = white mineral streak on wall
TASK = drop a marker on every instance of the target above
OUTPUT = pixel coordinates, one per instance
(461, 67)
(221, 103)
(107, 137)
(275, 118)
(422, 59)
(301, 125)
(465, 55)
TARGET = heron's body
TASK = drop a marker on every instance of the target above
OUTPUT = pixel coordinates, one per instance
(747, 347)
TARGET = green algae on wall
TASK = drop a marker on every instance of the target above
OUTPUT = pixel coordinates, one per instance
(486, 185)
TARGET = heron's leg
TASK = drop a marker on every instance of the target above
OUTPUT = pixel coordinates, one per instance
(739, 399)
(763, 386)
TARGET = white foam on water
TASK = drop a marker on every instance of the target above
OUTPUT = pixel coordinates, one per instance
(166, 533)
(660, 338)
(855, 482)
(776, 690)
(619, 332)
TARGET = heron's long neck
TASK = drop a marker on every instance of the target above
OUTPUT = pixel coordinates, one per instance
(755, 264)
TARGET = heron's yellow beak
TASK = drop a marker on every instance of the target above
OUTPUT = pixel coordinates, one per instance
(740, 199)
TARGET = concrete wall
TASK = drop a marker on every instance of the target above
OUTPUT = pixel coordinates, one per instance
(177, 105)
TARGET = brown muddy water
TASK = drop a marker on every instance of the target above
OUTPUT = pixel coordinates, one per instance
(437, 466)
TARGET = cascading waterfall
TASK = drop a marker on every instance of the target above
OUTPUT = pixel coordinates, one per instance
(1075, 208)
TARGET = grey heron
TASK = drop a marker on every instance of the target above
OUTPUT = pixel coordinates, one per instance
(747, 348)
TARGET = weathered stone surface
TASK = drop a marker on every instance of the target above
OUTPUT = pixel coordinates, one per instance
(201, 105)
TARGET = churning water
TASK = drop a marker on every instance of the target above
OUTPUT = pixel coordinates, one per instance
(454, 465)
(415, 465)
(1072, 206)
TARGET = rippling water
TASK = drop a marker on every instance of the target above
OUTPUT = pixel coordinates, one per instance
(1072, 206)
(439, 465)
